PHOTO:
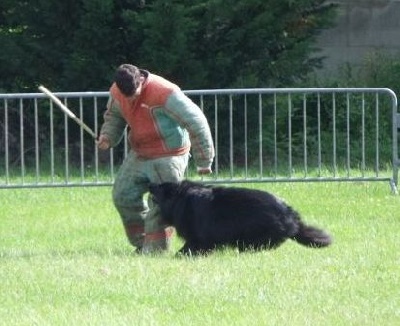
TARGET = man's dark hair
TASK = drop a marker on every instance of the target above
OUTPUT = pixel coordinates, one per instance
(127, 78)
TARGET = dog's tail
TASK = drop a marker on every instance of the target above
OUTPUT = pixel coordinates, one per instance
(312, 237)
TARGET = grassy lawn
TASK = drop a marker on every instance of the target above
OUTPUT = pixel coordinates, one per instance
(64, 260)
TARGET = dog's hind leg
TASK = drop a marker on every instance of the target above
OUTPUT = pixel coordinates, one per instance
(260, 244)
(249, 246)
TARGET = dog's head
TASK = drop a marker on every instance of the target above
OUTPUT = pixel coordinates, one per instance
(164, 195)
(163, 191)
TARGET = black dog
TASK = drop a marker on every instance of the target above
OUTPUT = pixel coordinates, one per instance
(209, 217)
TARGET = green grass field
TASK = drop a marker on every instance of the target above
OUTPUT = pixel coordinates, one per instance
(64, 260)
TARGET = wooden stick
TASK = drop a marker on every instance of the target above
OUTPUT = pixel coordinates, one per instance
(67, 111)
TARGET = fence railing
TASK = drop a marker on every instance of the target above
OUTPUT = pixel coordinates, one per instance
(260, 135)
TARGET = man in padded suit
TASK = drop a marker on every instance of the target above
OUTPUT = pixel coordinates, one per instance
(164, 126)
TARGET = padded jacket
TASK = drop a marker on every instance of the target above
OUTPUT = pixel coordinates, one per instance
(162, 121)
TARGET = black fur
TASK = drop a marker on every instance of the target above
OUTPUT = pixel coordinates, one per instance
(209, 217)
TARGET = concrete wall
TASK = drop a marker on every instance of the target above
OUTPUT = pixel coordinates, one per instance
(363, 26)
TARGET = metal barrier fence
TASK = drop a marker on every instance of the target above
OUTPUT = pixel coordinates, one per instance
(260, 135)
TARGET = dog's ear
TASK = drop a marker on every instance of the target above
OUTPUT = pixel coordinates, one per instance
(154, 188)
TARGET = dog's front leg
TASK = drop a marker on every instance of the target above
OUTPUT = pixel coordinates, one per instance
(194, 249)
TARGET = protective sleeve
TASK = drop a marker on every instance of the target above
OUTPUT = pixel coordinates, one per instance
(114, 123)
(189, 116)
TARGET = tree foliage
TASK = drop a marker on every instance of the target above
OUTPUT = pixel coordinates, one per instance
(75, 45)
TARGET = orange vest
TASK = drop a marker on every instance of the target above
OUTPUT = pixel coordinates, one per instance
(145, 136)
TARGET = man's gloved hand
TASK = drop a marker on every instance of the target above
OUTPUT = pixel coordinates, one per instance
(203, 171)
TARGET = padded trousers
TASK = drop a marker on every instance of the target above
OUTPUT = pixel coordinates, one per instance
(140, 215)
